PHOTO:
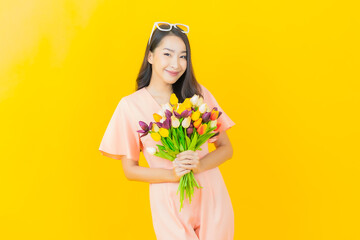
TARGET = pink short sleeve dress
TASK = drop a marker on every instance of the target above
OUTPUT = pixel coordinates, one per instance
(210, 214)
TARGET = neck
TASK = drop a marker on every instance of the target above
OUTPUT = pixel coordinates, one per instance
(159, 89)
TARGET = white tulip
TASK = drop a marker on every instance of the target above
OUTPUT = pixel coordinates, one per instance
(203, 108)
(200, 101)
(167, 106)
(156, 128)
(151, 150)
(186, 122)
(194, 99)
(175, 122)
(162, 112)
(213, 123)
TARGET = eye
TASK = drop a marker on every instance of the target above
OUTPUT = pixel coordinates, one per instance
(167, 53)
(184, 57)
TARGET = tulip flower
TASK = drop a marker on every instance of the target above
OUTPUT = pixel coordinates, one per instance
(206, 117)
(194, 99)
(168, 114)
(151, 150)
(186, 113)
(214, 115)
(213, 124)
(177, 115)
(186, 122)
(156, 136)
(197, 123)
(180, 109)
(157, 117)
(173, 99)
(218, 126)
(175, 123)
(200, 102)
(159, 124)
(189, 131)
(167, 106)
(187, 103)
(166, 124)
(195, 116)
(164, 132)
(203, 108)
(201, 129)
(155, 128)
(145, 128)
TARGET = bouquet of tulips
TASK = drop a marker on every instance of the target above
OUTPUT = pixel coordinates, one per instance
(181, 127)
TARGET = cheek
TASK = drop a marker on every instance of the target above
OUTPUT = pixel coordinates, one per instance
(184, 65)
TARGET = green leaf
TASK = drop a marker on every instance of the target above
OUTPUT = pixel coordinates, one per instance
(187, 141)
(193, 142)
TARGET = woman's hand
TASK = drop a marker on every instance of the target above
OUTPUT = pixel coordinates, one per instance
(178, 172)
(188, 160)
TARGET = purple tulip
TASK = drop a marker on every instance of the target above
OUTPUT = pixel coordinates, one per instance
(184, 114)
(177, 115)
(150, 126)
(166, 124)
(191, 124)
(189, 131)
(159, 124)
(168, 114)
(219, 114)
(206, 117)
(144, 126)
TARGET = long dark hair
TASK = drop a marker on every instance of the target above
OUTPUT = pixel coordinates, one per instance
(186, 86)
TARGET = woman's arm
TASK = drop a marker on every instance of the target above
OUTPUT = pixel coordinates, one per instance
(134, 172)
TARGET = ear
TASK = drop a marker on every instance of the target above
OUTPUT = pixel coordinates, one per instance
(150, 57)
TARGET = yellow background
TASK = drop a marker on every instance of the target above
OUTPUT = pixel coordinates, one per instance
(286, 72)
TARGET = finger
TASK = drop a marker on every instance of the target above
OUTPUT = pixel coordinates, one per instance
(182, 171)
(188, 166)
(185, 171)
(186, 161)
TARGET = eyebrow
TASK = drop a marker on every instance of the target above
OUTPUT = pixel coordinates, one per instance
(171, 50)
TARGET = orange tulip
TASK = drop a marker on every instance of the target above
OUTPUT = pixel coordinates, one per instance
(197, 123)
(201, 130)
(214, 115)
(218, 125)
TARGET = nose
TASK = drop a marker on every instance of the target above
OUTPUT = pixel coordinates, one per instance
(174, 63)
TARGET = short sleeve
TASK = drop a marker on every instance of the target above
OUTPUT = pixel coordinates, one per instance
(224, 119)
(121, 138)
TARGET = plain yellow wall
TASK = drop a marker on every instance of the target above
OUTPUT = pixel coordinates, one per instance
(286, 72)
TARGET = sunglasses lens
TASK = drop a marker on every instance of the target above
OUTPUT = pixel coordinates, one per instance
(182, 27)
(164, 26)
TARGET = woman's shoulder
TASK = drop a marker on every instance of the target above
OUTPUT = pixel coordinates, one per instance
(132, 98)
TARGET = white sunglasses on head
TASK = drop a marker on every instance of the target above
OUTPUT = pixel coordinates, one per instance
(165, 26)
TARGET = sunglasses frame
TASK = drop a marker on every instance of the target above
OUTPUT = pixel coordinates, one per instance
(156, 24)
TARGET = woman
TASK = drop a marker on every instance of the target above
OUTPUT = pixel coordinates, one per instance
(167, 69)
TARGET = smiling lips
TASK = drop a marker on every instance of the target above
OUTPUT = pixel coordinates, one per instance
(172, 73)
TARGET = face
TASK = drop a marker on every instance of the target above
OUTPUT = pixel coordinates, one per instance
(168, 59)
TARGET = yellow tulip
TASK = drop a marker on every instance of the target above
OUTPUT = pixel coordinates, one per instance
(156, 136)
(180, 109)
(157, 117)
(173, 99)
(164, 132)
(195, 115)
(187, 103)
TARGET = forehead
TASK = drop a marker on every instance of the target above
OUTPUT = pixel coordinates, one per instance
(172, 44)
